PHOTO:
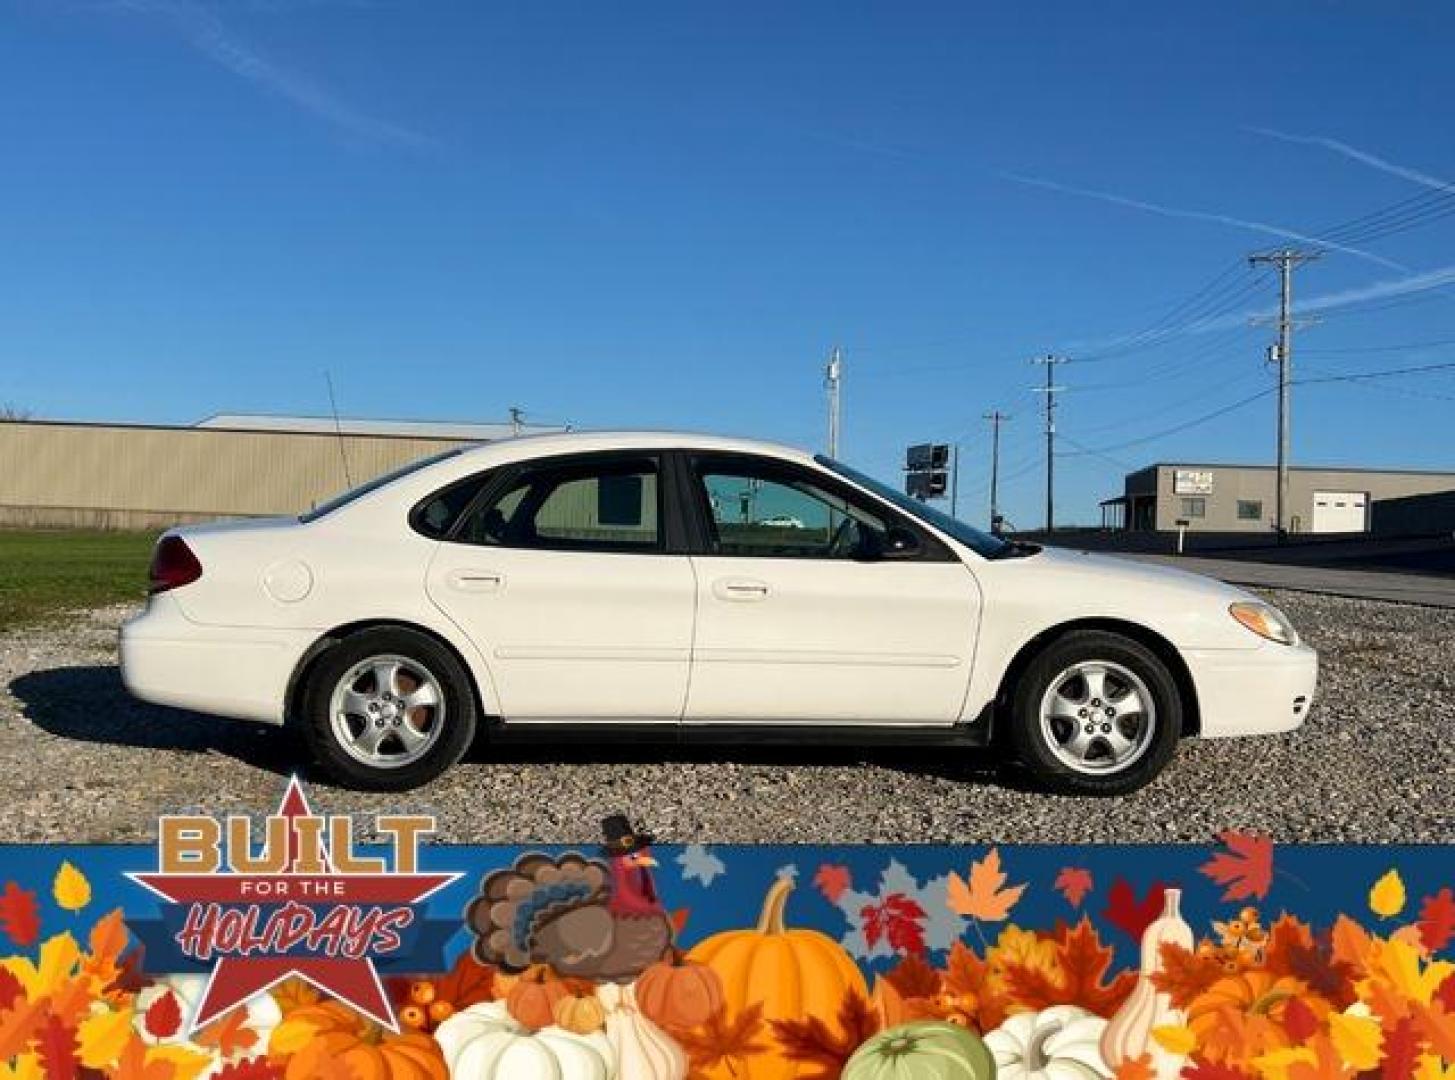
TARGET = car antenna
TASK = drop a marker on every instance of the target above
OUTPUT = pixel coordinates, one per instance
(338, 429)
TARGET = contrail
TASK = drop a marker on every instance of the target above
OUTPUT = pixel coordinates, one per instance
(1200, 215)
(1363, 156)
(206, 33)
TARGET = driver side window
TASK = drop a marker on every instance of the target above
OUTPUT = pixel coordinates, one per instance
(773, 515)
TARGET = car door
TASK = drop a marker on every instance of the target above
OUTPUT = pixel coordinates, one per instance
(563, 574)
(805, 614)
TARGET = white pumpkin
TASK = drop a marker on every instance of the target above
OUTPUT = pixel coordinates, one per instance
(643, 1050)
(484, 1042)
(1060, 1043)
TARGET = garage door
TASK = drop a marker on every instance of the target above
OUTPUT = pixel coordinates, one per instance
(1340, 511)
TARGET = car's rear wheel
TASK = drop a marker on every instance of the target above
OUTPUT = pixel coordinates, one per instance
(387, 709)
(1096, 713)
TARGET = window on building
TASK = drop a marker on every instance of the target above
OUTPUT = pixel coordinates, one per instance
(1194, 508)
(1250, 509)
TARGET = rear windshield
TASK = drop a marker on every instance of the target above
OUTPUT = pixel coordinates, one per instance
(324, 509)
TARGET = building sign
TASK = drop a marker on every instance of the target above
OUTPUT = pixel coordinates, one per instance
(1192, 482)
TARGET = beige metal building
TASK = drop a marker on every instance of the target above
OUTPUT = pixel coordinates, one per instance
(1242, 498)
(136, 476)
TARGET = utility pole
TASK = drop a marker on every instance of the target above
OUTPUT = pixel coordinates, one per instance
(955, 480)
(833, 376)
(1286, 260)
(517, 419)
(996, 418)
(1050, 390)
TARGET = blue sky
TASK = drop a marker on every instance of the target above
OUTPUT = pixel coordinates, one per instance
(665, 215)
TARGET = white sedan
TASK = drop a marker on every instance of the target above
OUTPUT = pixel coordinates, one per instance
(599, 586)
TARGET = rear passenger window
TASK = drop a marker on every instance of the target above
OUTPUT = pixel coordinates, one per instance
(609, 505)
(437, 515)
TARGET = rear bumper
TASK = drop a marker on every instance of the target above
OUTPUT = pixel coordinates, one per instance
(1259, 691)
(240, 672)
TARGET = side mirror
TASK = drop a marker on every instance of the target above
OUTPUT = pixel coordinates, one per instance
(899, 543)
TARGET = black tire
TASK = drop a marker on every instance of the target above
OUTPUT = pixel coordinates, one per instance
(419, 652)
(1032, 745)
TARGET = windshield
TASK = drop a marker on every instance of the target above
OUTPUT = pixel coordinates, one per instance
(991, 547)
(375, 484)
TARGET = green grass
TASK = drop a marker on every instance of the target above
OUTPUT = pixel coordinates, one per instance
(43, 574)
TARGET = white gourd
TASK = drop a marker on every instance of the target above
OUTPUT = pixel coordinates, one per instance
(1129, 1034)
(643, 1050)
(484, 1042)
(1059, 1043)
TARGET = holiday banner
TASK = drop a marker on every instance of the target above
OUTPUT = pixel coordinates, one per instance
(291, 945)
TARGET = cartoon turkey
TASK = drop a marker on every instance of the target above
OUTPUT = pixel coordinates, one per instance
(585, 918)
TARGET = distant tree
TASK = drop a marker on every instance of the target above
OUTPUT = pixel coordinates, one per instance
(10, 411)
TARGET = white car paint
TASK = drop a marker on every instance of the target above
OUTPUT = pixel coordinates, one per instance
(555, 636)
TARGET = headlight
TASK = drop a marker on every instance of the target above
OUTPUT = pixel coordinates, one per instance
(1266, 621)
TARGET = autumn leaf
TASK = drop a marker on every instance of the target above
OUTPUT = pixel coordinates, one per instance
(258, 1068)
(55, 1043)
(724, 1042)
(185, 1063)
(1437, 920)
(1357, 1040)
(1175, 1038)
(71, 890)
(229, 1035)
(913, 977)
(984, 896)
(468, 983)
(824, 1046)
(1137, 1068)
(1293, 952)
(17, 1025)
(1299, 1020)
(899, 920)
(1083, 963)
(1245, 869)
(833, 881)
(11, 989)
(19, 915)
(130, 977)
(1402, 1047)
(1074, 883)
(1127, 913)
(103, 1037)
(295, 993)
(1207, 1070)
(1437, 1025)
(1387, 897)
(888, 1003)
(1351, 942)
(164, 1018)
(1184, 974)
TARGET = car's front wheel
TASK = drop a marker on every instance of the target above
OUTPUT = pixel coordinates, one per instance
(1095, 713)
(387, 709)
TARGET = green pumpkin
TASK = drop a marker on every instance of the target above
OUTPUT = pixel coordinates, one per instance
(925, 1050)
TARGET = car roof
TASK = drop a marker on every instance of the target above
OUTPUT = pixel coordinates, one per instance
(525, 447)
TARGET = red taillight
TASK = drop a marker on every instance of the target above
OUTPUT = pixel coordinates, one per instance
(173, 565)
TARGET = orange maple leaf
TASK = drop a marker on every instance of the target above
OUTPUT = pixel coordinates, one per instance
(984, 897)
(1246, 868)
(1074, 883)
(1138, 1068)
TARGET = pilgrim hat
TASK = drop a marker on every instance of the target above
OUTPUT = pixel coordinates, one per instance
(621, 838)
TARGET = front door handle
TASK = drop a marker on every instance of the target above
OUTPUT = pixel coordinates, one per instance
(475, 580)
(740, 589)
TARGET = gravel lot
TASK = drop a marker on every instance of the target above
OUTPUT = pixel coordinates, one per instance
(81, 761)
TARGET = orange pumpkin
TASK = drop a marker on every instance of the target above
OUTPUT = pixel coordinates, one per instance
(313, 1036)
(793, 974)
(532, 1000)
(676, 994)
(580, 1011)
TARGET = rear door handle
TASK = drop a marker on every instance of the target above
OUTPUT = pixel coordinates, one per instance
(740, 589)
(475, 580)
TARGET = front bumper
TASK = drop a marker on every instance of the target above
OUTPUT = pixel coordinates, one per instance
(1258, 691)
(240, 672)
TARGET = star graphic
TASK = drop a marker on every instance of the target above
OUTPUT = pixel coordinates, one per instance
(354, 981)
